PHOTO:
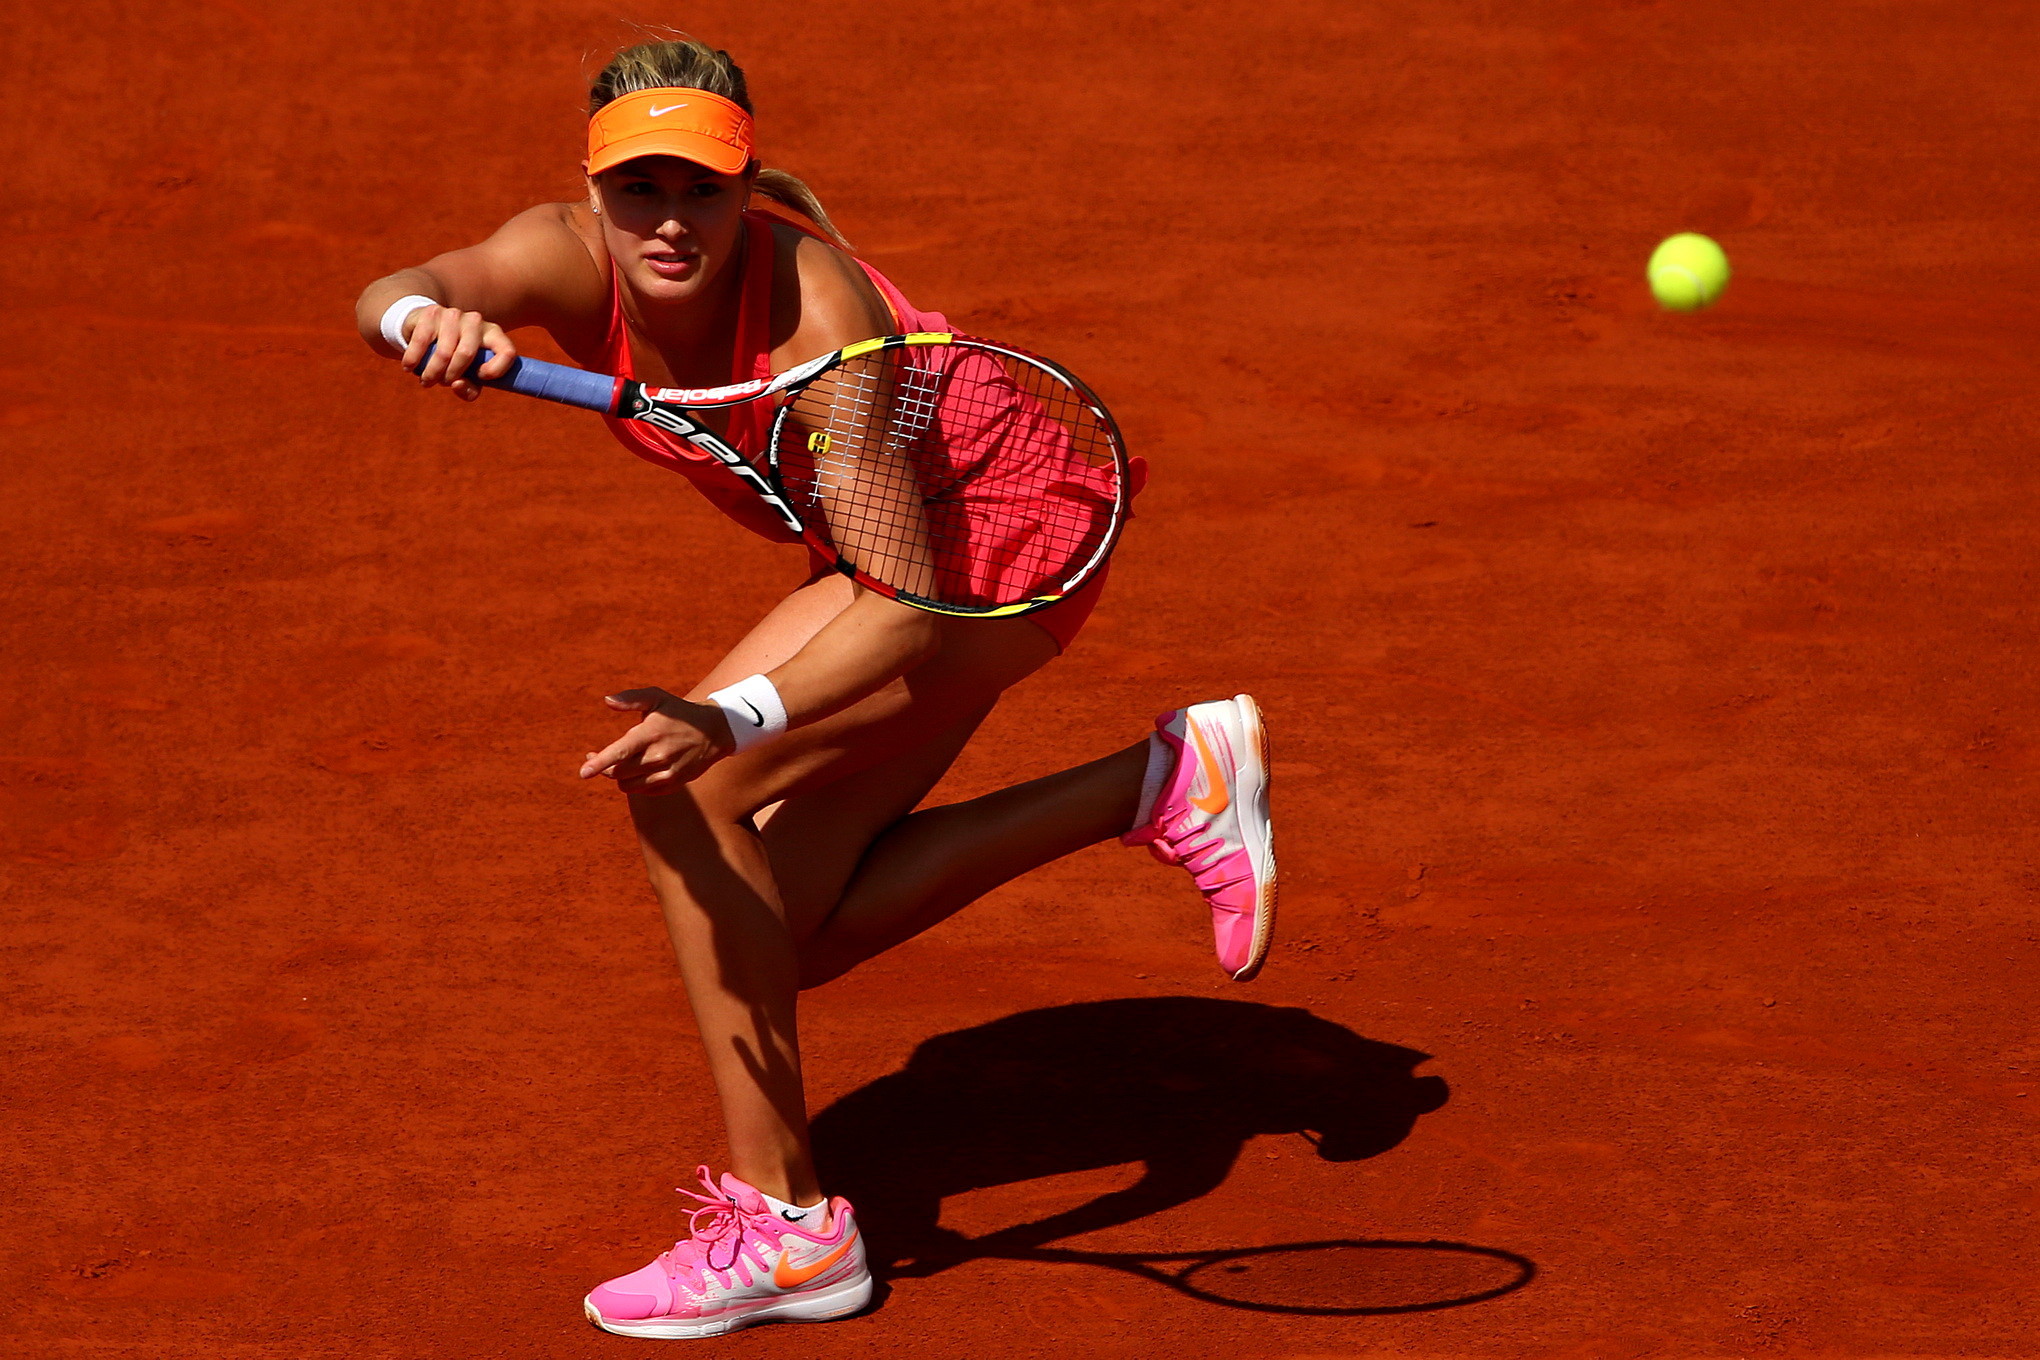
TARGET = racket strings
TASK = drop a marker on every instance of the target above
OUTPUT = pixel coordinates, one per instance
(861, 486)
(955, 473)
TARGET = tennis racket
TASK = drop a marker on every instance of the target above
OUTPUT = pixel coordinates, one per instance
(950, 473)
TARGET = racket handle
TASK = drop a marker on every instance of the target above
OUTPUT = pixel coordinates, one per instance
(553, 382)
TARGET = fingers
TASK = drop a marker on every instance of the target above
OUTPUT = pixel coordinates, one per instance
(505, 349)
(455, 339)
(439, 327)
(640, 763)
(645, 747)
(616, 753)
(637, 700)
(441, 345)
(681, 768)
(657, 755)
(422, 331)
(459, 354)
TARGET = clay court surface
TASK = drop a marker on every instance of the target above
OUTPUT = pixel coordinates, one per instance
(1653, 695)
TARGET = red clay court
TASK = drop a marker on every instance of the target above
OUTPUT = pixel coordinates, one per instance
(1652, 695)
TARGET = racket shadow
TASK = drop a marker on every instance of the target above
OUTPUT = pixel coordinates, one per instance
(1340, 1277)
(1177, 1085)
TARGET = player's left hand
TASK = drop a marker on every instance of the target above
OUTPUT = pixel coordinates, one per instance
(673, 743)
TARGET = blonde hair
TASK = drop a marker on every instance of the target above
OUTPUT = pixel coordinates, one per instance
(686, 64)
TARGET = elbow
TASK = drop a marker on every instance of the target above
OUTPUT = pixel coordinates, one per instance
(367, 316)
(369, 305)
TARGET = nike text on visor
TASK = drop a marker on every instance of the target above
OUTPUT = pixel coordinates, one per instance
(691, 124)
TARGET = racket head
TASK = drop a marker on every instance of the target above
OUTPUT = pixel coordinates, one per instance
(952, 473)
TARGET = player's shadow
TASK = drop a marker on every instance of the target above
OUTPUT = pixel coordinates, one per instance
(1176, 1084)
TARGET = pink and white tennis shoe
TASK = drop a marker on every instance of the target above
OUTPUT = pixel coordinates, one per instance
(1211, 817)
(741, 1265)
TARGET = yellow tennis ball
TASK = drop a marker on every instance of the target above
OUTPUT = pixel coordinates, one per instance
(1687, 272)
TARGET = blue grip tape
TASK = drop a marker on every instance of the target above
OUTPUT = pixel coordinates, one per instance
(557, 382)
(552, 382)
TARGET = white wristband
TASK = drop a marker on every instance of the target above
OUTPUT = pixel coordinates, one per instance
(754, 709)
(397, 313)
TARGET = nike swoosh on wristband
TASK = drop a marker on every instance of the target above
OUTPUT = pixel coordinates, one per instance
(654, 113)
(1217, 799)
(789, 1276)
(757, 718)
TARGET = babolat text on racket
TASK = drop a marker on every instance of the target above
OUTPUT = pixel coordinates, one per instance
(950, 473)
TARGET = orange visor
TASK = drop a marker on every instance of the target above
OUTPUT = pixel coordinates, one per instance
(691, 124)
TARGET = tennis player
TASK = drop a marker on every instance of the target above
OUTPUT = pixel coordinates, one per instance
(775, 802)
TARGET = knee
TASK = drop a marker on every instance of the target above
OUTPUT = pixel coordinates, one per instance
(696, 807)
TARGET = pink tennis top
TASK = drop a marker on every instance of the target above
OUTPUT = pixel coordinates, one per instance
(751, 423)
(750, 428)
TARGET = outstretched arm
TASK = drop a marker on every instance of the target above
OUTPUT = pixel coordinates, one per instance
(535, 271)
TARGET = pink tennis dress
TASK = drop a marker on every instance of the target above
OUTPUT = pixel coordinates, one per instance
(750, 424)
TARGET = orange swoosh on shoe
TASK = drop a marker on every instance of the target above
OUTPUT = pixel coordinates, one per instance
(789, 1276)
(1218, 799)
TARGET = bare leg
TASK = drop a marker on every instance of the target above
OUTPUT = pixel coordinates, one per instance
(847, 778)
(737, 960)
(927, 866)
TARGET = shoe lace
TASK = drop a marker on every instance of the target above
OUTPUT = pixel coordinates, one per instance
(1188, 848)
(719, 1222)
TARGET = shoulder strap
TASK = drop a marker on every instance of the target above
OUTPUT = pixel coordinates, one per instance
(752, 357)
(616, 340)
